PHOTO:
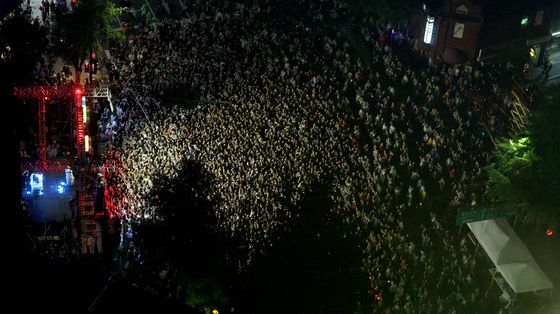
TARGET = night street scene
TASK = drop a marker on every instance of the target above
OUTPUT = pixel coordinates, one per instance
(281, 156)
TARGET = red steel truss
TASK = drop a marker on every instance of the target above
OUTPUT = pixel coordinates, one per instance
(43, 94)
(45, 166)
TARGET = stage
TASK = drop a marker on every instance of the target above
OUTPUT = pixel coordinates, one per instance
(48, 196)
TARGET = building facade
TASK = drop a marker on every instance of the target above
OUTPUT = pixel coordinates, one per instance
(461, 31)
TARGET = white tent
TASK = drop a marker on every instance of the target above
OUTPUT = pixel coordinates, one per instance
(510, 255)
(499, 241)
(525, 277)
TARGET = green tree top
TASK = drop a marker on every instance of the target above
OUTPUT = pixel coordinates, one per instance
(22, 43)
(526, 171)
(78, 31)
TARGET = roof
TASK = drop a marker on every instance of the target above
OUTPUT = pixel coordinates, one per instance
(510, 255)
(525, 277)
(504, 8)
(495, 9)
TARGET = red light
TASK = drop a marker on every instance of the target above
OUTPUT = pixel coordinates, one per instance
(78, 91)
(46, 98)
(549, 232)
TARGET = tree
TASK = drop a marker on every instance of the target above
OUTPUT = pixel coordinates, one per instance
(77, 32)
(511, 173)
(526, 171)
(22, 44)
(205, 292)
(546, 137)
(388, 10)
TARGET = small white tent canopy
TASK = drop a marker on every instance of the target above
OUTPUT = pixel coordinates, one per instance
(525, 277)
(510, 255)
(499, 241)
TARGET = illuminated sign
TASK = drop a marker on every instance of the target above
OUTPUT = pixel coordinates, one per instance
(84, 109)
(429, 31)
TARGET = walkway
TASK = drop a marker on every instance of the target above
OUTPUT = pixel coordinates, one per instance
(537, 74)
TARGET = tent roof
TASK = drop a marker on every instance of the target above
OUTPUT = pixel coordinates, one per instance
(525, 277)
(510, 255)
(500, 242)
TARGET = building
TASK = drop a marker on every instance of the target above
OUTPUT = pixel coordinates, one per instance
(460, 31)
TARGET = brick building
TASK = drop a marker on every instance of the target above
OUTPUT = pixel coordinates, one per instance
(460, 31)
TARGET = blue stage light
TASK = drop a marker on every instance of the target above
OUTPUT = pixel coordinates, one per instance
(40, 192)
(28, 192)
(60, 189)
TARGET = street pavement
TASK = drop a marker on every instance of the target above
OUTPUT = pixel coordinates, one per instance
(35, 4)
(536, 74)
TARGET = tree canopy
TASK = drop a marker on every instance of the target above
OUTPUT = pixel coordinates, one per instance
(392, 11)
(526, 171)
(78, 31)
(22, 44)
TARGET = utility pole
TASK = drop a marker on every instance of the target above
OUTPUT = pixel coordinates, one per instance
(90, 67)
(150, 7)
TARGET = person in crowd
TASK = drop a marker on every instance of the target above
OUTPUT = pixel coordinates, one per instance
(392, 134)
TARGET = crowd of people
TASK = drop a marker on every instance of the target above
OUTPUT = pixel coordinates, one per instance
(275, 103)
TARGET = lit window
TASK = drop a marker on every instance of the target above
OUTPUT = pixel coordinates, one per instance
(84, 110)
(458, 30)
(429, 31)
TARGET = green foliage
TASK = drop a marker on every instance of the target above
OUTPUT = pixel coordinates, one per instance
(205, 293)
(147, 15)
(394, 11)
(515, 157)
(512, 172)
(76, 33)
(502, 189)
(526, 172)
(110, 12)
(546, 130)
(22, 44)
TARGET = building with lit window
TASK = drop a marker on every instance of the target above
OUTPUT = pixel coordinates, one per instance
(460, 31)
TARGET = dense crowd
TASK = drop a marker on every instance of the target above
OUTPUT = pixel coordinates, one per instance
(279, 104)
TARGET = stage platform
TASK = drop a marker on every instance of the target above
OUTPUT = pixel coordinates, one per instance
(48, 196)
